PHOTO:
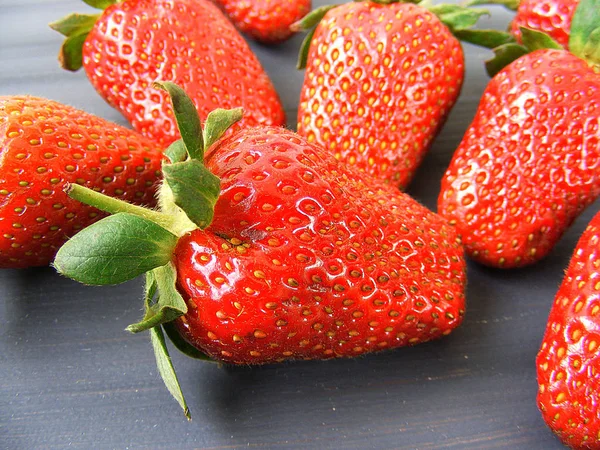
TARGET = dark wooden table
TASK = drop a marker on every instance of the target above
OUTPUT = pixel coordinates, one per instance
(71, 377)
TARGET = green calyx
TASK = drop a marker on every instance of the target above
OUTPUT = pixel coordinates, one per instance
(460, 20)
(584, 40)
(136, 240)
(584, 36)
(76, 27)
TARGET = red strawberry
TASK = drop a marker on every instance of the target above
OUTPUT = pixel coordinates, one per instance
(568, 363)
(304, 258)
(528, 163)
(267, 21)
(553, 17)
(189, 42)
(43, 146)
(380, 81)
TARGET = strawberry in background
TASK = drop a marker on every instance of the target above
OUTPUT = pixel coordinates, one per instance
(528, 164)
(267, 21)
(132, 43)
(568, 362)
(43, 146)
(381, 78)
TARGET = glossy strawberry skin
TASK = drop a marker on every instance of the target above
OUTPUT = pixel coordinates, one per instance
(44, 145)
(135, 43)
(553, 17)
(380, 81)
(267, 21)
(568, 363)
(307, 259)
(529, 162)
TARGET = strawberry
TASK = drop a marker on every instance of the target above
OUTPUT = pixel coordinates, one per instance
(267, 21)
(528, 163)
(45, 145)
(381, 78)
(293, 256)
(134, 42)
(553, 17)
(568, 363)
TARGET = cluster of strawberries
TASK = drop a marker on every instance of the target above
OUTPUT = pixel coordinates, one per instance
(269, 245)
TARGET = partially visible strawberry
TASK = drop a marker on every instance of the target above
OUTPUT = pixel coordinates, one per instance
(267, 21)
(43, 146)
(553, 17)
(529, 162)
(292, 256)
(568, 363)
(190, 42)
(381, 78)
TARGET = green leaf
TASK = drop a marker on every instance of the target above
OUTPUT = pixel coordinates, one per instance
(312, 19)
(70, 56)
(182, 345)
(218, 122)
(116, 249)
(536, 40)
(304, 48)
(170, 304)
(457, 17)
(101, 4)
(485, 38)
(195, 190)
(187, 119)
(591, 50)
(513, 5)
(166, 369)
(75, 24)
(503, 56)
(583, 40)
(176, 152)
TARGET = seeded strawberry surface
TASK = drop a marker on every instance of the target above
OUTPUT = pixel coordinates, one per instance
(44, 145)
(379, 83)
(267, 21)
(308, 259)
(568, 363)
(189, 42)
(528, 163)
(553, 17)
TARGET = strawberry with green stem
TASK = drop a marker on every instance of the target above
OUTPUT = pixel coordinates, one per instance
(528, 163)
(273, 251)
(132, 43)
(568, 363)
(381, 78)
(43, 146)
(267, 21)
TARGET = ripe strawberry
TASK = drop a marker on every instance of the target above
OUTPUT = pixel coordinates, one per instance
(568, 363)
(267, 21)
(135, 42)
(304, 258)
(553, 17)
(528, 163)
(45, 145)
(380, 81)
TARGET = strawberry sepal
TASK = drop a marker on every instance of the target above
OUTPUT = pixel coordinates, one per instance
(512, 5)
(75, 28)
(485, 38)
(101, 4)
(503, 56)
(584, 40)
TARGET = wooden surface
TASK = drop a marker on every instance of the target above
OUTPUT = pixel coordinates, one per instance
(71, 377)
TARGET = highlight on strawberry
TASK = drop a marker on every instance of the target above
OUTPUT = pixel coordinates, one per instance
(265, 249)
(267, 21)
(528, 163)
(133, 43)
(568, 362)
(43, 146)
(381, 78)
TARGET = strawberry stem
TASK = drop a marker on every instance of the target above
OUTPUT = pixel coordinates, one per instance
(113, 206)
